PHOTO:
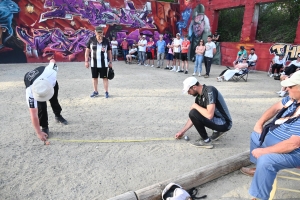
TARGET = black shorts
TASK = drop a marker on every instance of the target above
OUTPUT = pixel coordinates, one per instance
(176, 55)
(99, 72)
(149, 55)
(184, 57)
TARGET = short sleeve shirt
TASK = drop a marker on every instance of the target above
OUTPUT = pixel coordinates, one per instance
(210, 95)
(49, 72)
(98, 50)
(177, 42)
(161, 45)
(143, 48)
(209, 49)
(185, 43)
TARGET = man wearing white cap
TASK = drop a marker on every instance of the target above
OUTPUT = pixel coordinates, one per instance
(142, 44)
(209, 110)
(275, 146)
(41, 86)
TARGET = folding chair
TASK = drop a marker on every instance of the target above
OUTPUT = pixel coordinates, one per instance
(243, 74)
(275, 187)
(252, 67)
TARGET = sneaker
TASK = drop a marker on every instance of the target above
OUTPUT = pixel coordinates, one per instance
(146, 65)
(94, 94)
(60, 119)
(173, 70)
(116, 60)
(45, 130)
(166, 68)
(219, 79)
(206, 76)
(194, 74)
(202, 144)
(199, 74)
(139, 63)
(279, 92)
(106, 95)
(248, 171)
(186, 72)
(271, 75)
(216, 135)
(156, 67)
(177, 70)
(181, 70)
(282, 93)
(126, 61)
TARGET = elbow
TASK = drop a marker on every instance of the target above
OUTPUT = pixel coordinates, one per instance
(210, 116)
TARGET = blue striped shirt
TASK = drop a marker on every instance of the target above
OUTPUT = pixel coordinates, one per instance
(285, 130)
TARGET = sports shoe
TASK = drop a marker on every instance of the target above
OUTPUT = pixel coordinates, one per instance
(282, 93)
(146, 65)
(167, 67)
(271, 75)
(177, 70)
(216, 135)
(279, 92)
(60, 119)
(173, 70)
(45, 130)
(181, 70)
(206, 76)
(106, 95)
(202, 144)
(194, 74)
(139, 63)
(199, 75)
(219, 79)
(156, 67)
(94, 94)
(186, 72)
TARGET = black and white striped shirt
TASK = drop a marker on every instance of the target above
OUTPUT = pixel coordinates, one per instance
(99, 51)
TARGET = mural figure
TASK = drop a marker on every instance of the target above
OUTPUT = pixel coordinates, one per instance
(44, 42)
(199, 28)
(186, 14)
(99, 13)
(7, 9)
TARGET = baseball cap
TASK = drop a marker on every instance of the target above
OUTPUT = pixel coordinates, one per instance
(42, 89)
(99, 29)
(187, 83)
(124, 38)
(144, 36)
(177, 34)
(293, 80)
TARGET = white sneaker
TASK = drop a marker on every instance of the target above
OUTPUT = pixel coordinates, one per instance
(282, 93)
(146, 65)
(173, 70)
(194, 74)
(178, 70)
(279, 92)
(152, 65)
(271, 75)
(282, 73)
(219, 79)
(139, 63)
(199, 74)
(275, 74)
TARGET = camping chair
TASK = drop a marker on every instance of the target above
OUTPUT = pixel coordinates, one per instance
(135, 58)
(252, 67)
(275, 187)
(243, 74)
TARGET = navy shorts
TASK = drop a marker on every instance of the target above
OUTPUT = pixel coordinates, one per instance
(170, 56)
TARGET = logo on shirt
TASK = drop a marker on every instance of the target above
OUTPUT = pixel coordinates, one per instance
(210, 97)
(31, 102)
(55, 67)
(32, 74)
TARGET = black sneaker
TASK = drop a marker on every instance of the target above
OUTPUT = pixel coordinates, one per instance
(181, 70)
(166, 68)
(216, 135)
(186, 72)
(45, 130)
(60, 119)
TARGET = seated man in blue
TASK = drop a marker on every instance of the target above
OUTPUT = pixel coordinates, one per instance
(276, 145)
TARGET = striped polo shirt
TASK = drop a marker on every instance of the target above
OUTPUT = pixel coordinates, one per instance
(210, 95)
(285, 130)
(98, 50)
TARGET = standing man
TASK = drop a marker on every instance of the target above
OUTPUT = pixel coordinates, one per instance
(114, 46)
(177, 49)
(41, 86)
(209, 110)
(124, 46)
(215, 37)
(275, 145)
(184, 54)
(210, 51)
(99, 52)
(160, 49)
(142, 50)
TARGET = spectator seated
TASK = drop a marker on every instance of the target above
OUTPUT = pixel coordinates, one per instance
(239, 72)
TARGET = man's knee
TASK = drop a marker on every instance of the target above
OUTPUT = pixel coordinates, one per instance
(194, 114)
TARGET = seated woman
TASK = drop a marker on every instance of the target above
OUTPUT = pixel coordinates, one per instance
(230, 73)
(131, 54)
(242, 53)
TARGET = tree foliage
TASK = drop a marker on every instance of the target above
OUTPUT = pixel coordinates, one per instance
(230, 24)
(278, 21)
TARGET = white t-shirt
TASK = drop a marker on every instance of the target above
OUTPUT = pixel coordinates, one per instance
(143, 48)
(252, 58)
(209, 49)
(114, 44)
(132, 50)
(177, 42)
(49, 72)
(294, 62)
(280, 62)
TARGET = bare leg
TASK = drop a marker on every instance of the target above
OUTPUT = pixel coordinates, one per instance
(105, 84)
(95, 84)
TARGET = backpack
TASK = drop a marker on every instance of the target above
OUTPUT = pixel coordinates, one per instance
(174, 191)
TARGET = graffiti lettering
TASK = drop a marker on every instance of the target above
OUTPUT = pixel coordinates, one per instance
(290, 51)
(100, 13)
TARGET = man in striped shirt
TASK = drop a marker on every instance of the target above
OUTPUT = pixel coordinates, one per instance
(280, 148)
(98, 55)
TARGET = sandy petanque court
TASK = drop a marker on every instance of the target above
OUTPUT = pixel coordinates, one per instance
(122, 143)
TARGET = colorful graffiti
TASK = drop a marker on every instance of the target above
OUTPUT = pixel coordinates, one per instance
(186, 14)
(99, 13)
(7, 9)
(290, 51)
(44, 42)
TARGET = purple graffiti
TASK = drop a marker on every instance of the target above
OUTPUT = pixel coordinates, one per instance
(99, 13)
(47, 42)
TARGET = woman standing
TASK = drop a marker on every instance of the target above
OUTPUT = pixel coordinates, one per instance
(199, 57)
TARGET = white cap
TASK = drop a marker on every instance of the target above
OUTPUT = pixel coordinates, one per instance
(144, 36)
(294, 80)
(42, 89)
(187, 83)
